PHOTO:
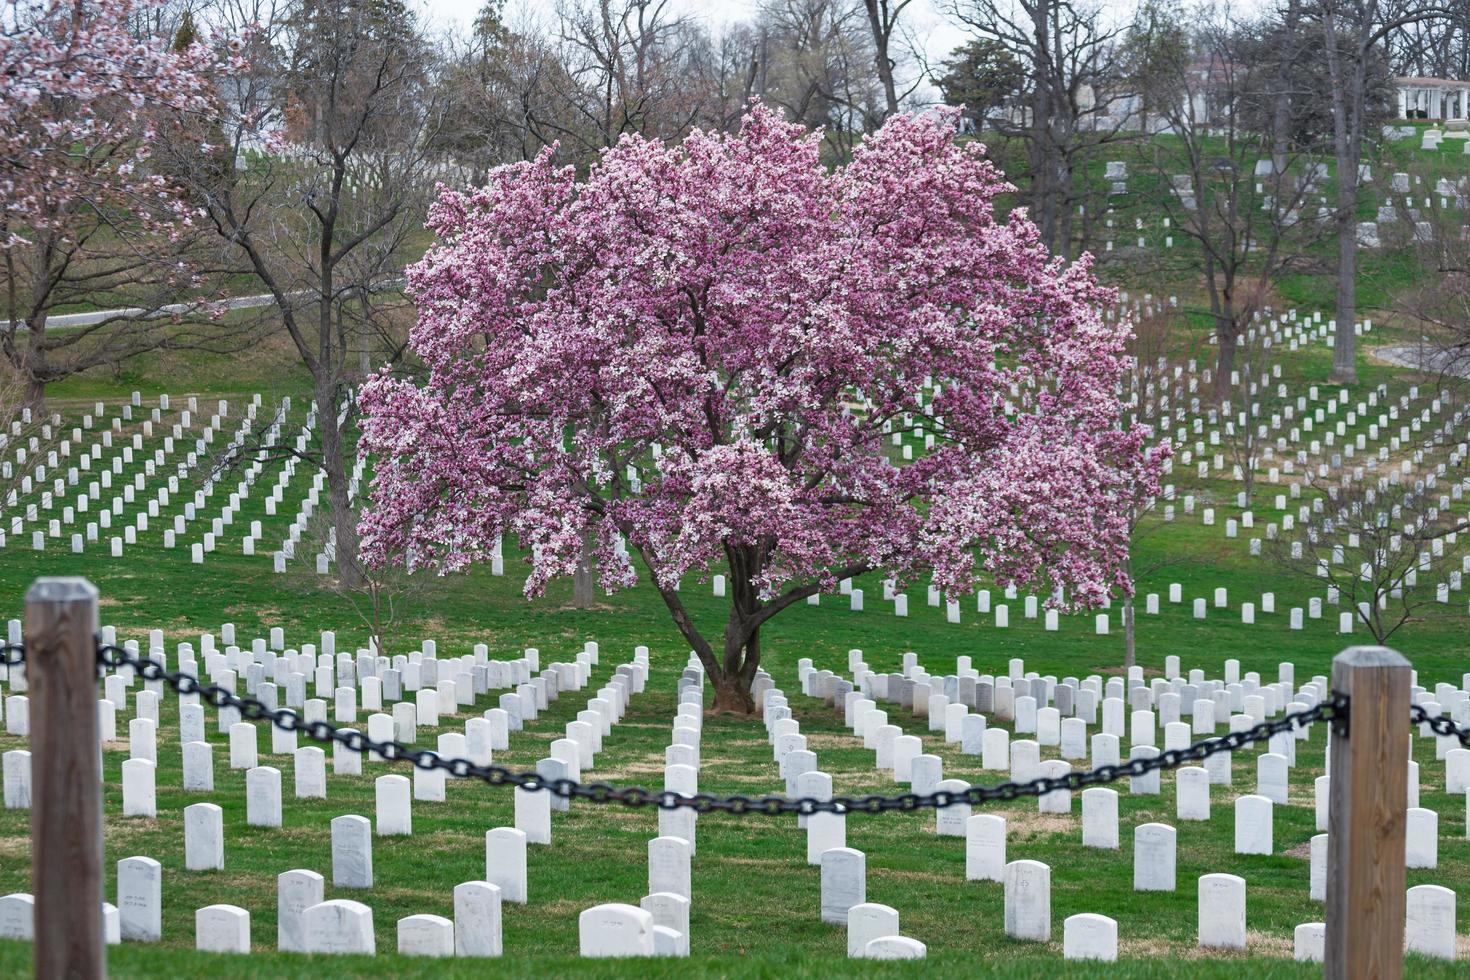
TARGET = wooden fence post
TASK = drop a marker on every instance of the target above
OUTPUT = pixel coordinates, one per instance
(1368, 800)
(66, 801)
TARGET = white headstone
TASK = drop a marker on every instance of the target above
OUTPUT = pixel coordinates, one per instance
(1222, 911)
(505, 862)
(425, 935)
(340, 926)
(1253, 825)
(1429, 928)
(394, 806)
(296, 891)
(352, 852)
(1153, 858)
(844, 883)
(1028, 901)
(204, 837)
(985, 847)
(615, 929)
(867, 922)
(222, 929)
(140, 899)
(1088, 936)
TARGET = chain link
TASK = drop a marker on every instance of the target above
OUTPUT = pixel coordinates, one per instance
(12, 654)
(1439, 724)
(1335, 707)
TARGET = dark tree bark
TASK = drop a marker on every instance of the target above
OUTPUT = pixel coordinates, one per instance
(732, 668)
(883, 16)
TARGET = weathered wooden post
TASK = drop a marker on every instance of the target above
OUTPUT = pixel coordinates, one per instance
(66, 798)
(1368, 800)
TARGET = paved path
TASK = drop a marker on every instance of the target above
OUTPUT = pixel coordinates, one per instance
(1432, 360)
(63, 320)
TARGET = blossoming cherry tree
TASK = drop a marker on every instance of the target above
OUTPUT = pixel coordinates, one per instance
(697, 355)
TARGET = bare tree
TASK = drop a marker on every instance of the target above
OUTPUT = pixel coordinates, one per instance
(1437, 47)
(884, 17)
(816, 62)
(1352, 32)
(1375, 538)
(383, 599)
(1437, 301)
(323, 186)
(631, 61)
(1066, 114)
(1244, 229)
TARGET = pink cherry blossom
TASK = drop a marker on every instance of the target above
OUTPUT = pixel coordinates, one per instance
(80, 99)
(695, 355)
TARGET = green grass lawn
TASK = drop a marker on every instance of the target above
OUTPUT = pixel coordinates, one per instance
(755, 909)
(756, 901)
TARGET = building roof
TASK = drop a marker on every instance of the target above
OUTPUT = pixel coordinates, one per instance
(1425, 80)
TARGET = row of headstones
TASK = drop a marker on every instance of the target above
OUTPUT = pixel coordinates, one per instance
(209, 540)
(873, 930)
(203, 822)
(949, 711)
(659, 924)
(1148, 409)
(1174, 695)
(226, 928)
(1051, 617)
(191, 463)
(49, 433)
(1248, 610)
(115, 466)
(1154, 850)
(1457, 490)
(901, 754)
(305, 922)
(481, 735)
(1430, 925)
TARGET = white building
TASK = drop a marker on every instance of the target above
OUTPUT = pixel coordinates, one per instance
(1439, 99)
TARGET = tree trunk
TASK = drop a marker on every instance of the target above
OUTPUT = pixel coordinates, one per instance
(349, 571)
(1129, 649)
(1347, 100)
(1280, 114)
(732, 695)
(583, 595)
(1043, 157)
(882, 34)
(35, 397)
(1225, 363)
(742, 655)
(1344, 344)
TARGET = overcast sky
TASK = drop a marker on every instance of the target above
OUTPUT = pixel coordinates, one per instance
(939, 36)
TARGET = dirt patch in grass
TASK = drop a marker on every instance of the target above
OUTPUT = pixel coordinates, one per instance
(1302, 851)
(1256, 943)
(816, 741)
(752, 862)
(1024, 823)
(628, 770)
(902, 875)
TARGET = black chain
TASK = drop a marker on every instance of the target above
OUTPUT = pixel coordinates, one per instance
(1439, 724)
(1334, 707)
(12, 654)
